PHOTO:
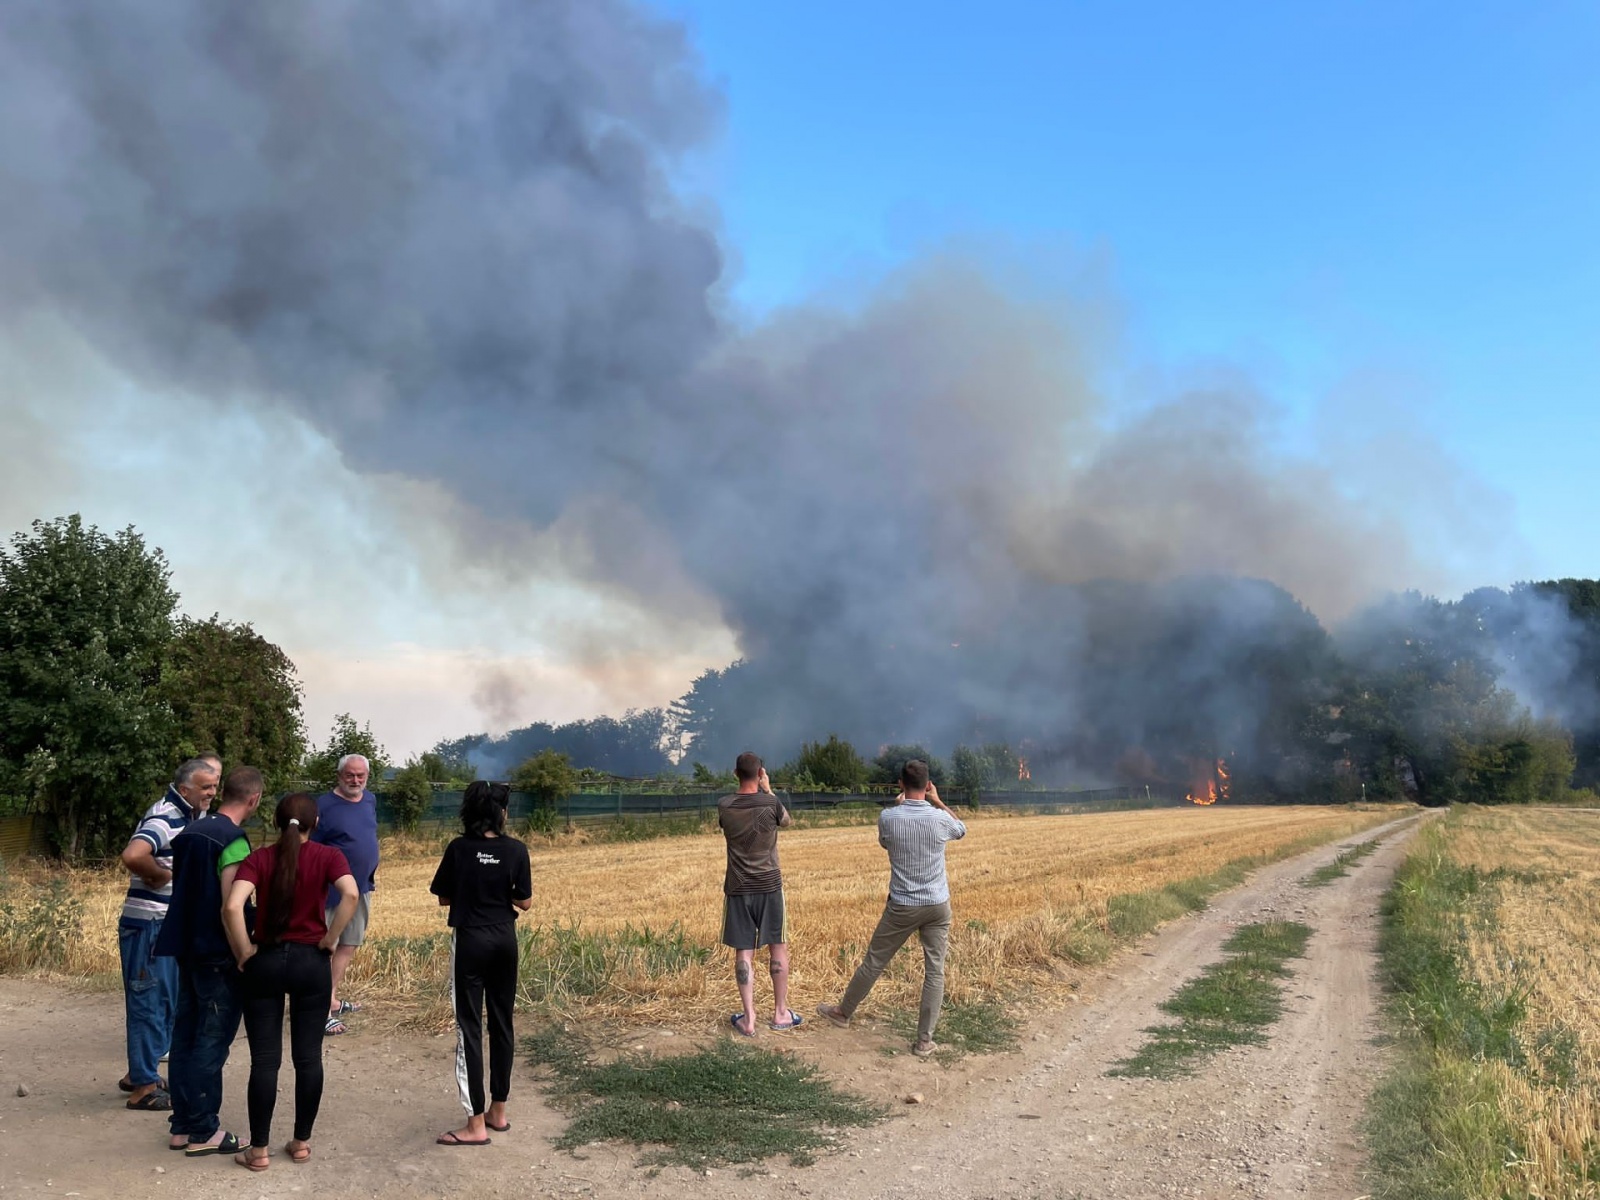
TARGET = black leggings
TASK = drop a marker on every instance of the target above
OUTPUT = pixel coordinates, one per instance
(483, 968)
(304, 974)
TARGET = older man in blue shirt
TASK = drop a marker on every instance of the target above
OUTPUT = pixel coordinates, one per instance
(347, 820)
(914, 832)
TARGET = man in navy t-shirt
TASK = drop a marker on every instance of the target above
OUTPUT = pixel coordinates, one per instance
(347, 820)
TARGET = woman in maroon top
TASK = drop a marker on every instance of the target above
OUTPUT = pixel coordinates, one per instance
(289, 956)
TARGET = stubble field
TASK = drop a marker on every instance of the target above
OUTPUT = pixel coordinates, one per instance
(1526, 933)
(629, 932)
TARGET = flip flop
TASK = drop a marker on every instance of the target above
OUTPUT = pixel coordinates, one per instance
(506, 1128)
(734, 1021)
(794, 1024)
(228, 1145)
(156, 1101)
(450, 1139)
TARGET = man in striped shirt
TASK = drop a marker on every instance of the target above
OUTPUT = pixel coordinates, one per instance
(914, 832)
(149, 982)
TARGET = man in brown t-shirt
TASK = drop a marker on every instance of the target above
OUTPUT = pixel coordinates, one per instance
(752, 913)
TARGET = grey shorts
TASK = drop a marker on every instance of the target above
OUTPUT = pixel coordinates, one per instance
(356, 932)
(749, 922)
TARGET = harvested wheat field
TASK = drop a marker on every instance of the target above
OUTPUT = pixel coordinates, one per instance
(1537, 937)
(630, 930)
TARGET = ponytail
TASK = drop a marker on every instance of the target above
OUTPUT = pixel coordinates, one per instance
(295, 818)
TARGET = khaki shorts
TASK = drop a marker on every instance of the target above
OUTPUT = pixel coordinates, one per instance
(356, 932)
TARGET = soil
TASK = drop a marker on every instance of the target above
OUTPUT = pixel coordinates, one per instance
(1274, 1121)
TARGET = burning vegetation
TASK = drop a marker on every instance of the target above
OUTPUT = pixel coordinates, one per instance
(1213, 786)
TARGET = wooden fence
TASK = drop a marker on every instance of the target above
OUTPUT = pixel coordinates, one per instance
(22, 835)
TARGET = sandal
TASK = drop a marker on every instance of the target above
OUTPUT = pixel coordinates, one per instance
(737, 1028)
(124, 1086)
(247, 1158)
(346, 1007)
(297, 1152)
(156, 1101)
(334, 1027)
(228, 1145)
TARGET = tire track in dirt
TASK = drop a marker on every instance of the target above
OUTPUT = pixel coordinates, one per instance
(1275, 1122)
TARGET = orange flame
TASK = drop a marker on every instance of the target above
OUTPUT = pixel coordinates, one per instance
(1023, 774)
(1216, 785)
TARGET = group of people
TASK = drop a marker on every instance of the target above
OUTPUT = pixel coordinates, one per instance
(214, 931)
(914, 830)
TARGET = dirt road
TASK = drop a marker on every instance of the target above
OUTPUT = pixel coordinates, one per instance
(1275, 1122)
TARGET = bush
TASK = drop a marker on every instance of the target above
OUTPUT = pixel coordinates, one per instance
(410, 796)
(549, 778)
(831, 764)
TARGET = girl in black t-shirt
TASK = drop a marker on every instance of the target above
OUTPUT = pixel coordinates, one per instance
(484, 879)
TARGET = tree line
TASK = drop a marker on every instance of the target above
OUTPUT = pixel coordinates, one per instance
(1494, 698)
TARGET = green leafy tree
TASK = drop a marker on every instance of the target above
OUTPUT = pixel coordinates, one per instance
(886, 767)
(409, 795)
(320, 767)
(705, 777)
(833, 764)
(549, 778)
(236, 693)
(975, 771)
(453, 772)
(85, 733)
(788, 778)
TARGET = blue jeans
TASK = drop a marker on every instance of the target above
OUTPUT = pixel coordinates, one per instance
(202, 1034)
(149, 988)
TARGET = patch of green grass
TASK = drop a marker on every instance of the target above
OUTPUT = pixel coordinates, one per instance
(967, 1027)
(726, 1104)
(1083, 943)
(1436, 1124)
(1230, 1003)
(1435, 1131)
(1341, 864)
(561, 963)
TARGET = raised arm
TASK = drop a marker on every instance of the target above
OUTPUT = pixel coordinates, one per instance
(764, 784)
(958, 828)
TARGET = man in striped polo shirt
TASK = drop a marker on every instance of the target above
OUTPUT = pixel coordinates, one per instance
(149, 982)
(914, 832)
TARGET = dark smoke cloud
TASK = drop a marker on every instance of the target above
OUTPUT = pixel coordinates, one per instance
(447, 235)
(415, 222)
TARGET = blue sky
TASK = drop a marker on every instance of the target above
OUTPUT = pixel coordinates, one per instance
(1313, 192)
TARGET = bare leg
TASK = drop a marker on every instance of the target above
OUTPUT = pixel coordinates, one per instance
(496, 1114)
(341, 963)
(743, 962)
(778, 966)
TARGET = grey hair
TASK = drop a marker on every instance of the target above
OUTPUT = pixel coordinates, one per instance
(348, 758)
(189, 769)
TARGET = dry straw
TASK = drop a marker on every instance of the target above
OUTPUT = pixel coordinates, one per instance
(628, 932)
(1537, 935)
